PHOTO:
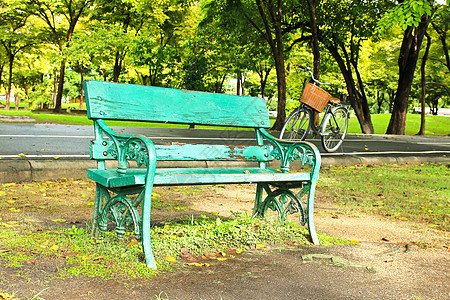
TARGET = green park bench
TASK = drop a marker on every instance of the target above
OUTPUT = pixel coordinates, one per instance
(121, 189)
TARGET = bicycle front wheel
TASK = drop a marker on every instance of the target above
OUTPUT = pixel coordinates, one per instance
(336, 124)
(297, 125)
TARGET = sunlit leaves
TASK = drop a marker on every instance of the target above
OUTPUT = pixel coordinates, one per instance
(405, 14)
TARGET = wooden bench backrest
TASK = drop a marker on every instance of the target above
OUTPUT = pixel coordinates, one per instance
(129, 102)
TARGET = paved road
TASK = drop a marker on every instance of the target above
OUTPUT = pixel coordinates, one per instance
(42, 141)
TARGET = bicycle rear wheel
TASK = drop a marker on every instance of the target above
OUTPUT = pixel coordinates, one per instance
(336, 124)
(297, 125)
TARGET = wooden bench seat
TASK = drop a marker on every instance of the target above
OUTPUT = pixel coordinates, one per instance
(124, 190)
(188, 176)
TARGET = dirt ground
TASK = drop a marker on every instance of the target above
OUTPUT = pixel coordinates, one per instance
(390, 261)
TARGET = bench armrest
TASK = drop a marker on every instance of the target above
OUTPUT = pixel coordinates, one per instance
(129, 147)
(287, 151)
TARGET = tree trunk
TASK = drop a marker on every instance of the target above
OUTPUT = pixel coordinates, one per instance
(423, 83)
(379, 101)
(357, 100)
(9, 84)
(263, 75)
(443, 37)
(16, 102)
(409, 54)
(59, 94)
(315, 47)
(82, 89)
(55, 87)
(281, 86)
(312, 4)
(117, 66)
(238, 84)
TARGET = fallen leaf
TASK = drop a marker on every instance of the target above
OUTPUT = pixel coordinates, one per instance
(259, 246)
(294, 244)
(210, 255)
(230, 251)
(30, 261)
(189, 257)
(171, 259)
(70, 254)
(11, 201)
(221, 258)
(199, 264)
(59, 220)
(133, 242)
(239, 251)
(54, 247)
(22, 155)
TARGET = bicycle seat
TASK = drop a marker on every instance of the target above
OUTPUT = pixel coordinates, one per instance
(335, 100)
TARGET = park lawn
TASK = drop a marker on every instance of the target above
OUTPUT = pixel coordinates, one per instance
(402, 192)
(434, 125)
(51, 219)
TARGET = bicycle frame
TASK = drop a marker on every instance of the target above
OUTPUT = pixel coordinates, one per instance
(320, 129)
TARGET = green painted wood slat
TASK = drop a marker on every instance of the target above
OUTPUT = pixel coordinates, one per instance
(187, 152)
(189, 176)
(116, 101)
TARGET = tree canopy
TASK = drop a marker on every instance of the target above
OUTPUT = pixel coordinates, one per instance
(373, 51)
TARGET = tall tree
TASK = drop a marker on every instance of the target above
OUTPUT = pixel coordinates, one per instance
(61, 17)
(423, 86)
(441, 23)
(125, 19)
(233, 47)
(343, 26)
(312, 8)
(275, 21)
(17, 34)
(414, 17)
(158, 48)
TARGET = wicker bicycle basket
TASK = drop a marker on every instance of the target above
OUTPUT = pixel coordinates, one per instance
(315, 97)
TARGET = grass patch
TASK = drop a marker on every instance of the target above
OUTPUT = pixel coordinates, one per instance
(45, 221)
(80, 119)
(402, 192)
(107, 257)
(434, 125)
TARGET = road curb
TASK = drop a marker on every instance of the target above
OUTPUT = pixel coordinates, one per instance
(23, 170)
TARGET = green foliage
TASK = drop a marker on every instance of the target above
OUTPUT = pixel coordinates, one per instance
(205, 45)
(406, 13)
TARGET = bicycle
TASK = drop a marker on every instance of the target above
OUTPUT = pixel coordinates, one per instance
(300, 122)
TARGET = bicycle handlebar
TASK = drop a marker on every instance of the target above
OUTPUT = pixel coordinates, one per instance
(308, 70)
